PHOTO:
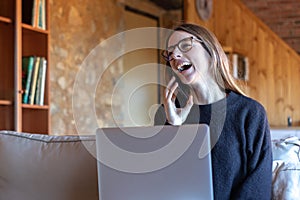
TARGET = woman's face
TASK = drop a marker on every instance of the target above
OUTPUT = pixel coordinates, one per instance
(193, 66)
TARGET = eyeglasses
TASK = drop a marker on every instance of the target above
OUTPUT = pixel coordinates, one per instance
(183, 45)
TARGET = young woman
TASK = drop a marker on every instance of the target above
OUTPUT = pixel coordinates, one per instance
(241, 145)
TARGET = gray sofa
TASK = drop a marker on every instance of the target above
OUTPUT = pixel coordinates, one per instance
(44, 167)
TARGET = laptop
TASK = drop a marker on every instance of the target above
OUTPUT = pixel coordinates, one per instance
(159, 162)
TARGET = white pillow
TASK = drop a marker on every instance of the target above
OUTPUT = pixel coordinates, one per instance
(286, 181)
(286, 149)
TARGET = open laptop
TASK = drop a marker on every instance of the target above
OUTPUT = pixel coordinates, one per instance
(159, 162)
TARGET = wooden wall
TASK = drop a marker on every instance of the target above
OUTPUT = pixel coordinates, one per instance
(274, 78)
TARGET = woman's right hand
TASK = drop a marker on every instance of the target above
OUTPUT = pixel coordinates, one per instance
(175, 116)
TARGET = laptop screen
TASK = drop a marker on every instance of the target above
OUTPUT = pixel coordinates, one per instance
(159, 162)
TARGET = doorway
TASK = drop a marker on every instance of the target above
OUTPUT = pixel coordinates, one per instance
(140, 94)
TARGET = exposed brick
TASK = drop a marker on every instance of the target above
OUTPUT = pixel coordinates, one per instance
(282, 16)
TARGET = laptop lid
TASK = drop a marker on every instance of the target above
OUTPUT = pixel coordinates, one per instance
(159, 162)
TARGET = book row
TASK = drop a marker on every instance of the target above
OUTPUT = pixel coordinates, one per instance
(34, 13)
(34, 70)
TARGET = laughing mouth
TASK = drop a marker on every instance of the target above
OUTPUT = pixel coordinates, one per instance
(184, 66)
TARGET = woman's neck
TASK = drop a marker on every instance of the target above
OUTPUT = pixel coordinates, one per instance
(207, 93)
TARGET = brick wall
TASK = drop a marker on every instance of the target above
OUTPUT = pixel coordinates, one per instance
(282, 16)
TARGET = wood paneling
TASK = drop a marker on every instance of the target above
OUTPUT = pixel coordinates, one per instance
(274, 66)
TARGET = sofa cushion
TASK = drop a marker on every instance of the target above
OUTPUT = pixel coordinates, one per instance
(286, 168)
(35, 167)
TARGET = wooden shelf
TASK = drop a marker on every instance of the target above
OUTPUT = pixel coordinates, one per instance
(5, 20)
(31, 28)
(285, 127)
(5, 102)
(227, 49)
(28, 106)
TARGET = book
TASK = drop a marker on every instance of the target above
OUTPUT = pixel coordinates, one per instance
(43, 82)
(35, 13)
(34, 80)
(40, 83)
(38, 18)
(44, 14)
(235, 65)
(25, 62)
(40, 14)
(27, 66)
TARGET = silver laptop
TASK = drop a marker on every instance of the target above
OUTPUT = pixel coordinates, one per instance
(159, 162)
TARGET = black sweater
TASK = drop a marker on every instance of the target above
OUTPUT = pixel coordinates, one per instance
(241, 154)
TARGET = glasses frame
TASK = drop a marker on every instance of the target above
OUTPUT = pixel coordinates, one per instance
(167, 55)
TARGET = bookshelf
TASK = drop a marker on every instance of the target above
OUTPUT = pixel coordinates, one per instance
(239, 63)
(22, 35)
(7, 42)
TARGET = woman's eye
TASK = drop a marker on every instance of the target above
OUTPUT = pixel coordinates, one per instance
(185, 46)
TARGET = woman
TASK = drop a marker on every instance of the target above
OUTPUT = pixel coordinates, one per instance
(241, 146)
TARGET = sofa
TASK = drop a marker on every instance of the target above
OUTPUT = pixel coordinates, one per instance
(47, 167)
(286, 164)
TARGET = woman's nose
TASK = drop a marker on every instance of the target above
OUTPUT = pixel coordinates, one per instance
(176, 53)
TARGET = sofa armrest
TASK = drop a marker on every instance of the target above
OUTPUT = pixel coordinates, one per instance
(35, 167)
